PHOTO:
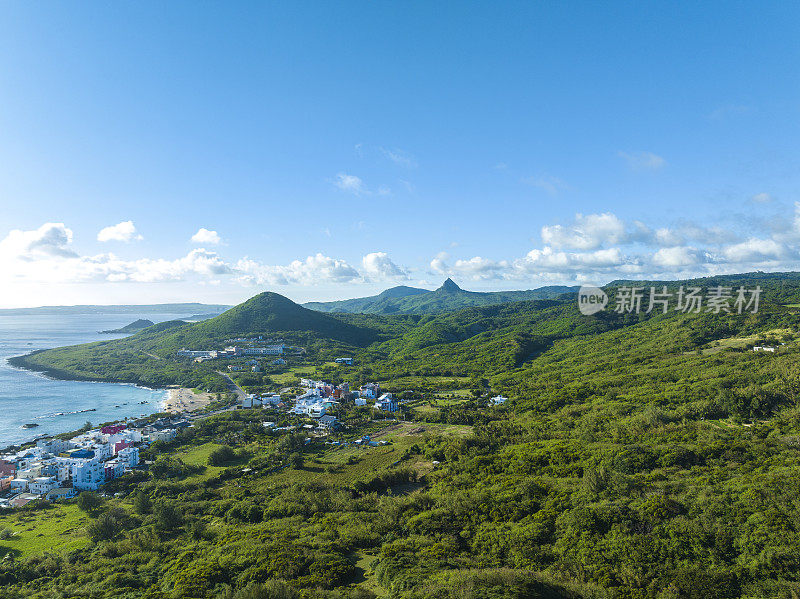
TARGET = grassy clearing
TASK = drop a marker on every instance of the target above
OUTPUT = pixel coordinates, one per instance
(198, 456)
(414, 382)
(741, 342)
(56, 529)
(290, 376)
(365, 575)
(345, 465)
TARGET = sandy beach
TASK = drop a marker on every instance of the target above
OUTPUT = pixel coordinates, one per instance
(183, 399)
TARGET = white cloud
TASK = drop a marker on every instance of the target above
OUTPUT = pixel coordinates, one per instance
(478, 268)
(49, 240)
(44, 255)
(754, 250)
(380, 266)
(677, 257)
(124, 231)
(643, 160)
(350, 183)
(668, 237)
(549, 260)
(205, 236)
(586, 233)
(761, 198)
(314, 269)
(400, 157)
(439, 263)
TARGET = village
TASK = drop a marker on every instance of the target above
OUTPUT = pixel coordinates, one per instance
(56, 469)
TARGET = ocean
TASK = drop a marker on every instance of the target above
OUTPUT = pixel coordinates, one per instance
(61, 406)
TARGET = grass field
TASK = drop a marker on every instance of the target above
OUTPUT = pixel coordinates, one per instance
(57, 529)
(292, 374)
(414, 382)
(741, 342)
(333, 465)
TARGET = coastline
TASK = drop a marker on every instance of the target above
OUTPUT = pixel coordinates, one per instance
(177, 400)
(51, 424)
(183, 399)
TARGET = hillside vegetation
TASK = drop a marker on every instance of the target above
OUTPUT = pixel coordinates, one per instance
(638, 457)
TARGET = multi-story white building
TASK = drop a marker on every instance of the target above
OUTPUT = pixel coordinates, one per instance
(309, 407)
(19, 485)
(166, 435)
(130, 455)
(33, 470)
(252, 401)
(270, 399)
(369, 390)
(54, 446)
(269, 350)
(42, 484)
(186, 353)
(88, 475)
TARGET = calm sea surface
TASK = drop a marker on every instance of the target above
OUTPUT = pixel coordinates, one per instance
(60, 406)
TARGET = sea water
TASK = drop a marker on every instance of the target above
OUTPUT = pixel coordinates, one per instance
(61, 406)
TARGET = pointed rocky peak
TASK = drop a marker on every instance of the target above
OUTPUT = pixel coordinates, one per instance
(449, 286)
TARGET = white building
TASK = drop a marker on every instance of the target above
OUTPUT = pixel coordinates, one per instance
(166, 435)
(361, 401)
(270, 399)
(42, 484)
(369, 390)
(269, 350)
(19, 484)
(34, 470)
(252, 401)
(88, 475)
(309, 407)
(130, 455)
(185, 353)
(53, 445)
(497, 400)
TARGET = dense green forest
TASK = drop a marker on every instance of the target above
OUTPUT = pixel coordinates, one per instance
(639, 456)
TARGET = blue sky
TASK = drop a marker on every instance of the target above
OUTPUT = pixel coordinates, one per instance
(332, 150)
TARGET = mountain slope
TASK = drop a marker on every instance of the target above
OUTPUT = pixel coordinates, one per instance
(134, 327)
(374, 304)
(273, 313)
(148, 357)
(410, 300)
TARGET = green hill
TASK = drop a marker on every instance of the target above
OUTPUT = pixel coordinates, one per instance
(134, 327)
(273, 313)
(148, 357)
(411, 300)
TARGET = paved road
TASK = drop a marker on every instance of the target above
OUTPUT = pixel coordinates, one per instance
(233, 387)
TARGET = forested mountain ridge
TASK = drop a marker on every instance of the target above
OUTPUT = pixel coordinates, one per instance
(448, 297)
